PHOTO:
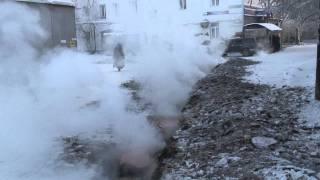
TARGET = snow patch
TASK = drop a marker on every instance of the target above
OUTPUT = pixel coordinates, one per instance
(310, 114)
(294, 66)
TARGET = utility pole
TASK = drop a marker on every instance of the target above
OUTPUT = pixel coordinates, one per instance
(318, 64)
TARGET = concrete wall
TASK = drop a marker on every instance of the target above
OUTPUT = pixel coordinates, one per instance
(57, 20)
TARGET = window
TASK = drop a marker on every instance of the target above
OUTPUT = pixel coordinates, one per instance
(215, 2)
(214, 31)
(183, 4)
(103, 12)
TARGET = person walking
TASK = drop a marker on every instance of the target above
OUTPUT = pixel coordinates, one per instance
(118, 57)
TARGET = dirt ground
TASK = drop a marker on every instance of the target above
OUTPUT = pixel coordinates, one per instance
(238, 130)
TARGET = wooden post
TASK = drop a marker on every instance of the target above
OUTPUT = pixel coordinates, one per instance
(317, 93)
(318, 68)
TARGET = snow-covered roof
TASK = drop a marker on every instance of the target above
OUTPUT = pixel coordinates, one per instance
(269, 26)
(58, 2)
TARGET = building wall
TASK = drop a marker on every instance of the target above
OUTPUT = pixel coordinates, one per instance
(89, 25)
(57, 20)
(63, 23)
(96, 33)
(228, 16)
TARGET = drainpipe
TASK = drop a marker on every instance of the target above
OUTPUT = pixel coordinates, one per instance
(317, 93)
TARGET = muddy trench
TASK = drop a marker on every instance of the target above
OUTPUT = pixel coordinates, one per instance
(119, 164)
(115, 163)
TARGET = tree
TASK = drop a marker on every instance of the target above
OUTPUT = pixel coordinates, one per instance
(295, 13)
(302, 13)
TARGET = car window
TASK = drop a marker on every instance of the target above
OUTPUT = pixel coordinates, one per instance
(249, 41)
(235, 42)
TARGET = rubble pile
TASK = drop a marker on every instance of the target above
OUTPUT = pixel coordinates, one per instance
(238, 130)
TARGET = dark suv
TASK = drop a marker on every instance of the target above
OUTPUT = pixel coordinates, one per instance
(246, 47)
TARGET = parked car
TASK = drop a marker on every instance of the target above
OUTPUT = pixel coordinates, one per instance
(245, 47)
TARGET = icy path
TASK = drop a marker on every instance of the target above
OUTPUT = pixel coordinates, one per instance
(105, 64)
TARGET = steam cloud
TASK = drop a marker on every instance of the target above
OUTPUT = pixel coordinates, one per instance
(170, 58)
(42, 94)
(41, 99)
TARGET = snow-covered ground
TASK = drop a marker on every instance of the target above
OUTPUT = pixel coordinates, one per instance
(105, 65)
(294, 66)
(310, 115)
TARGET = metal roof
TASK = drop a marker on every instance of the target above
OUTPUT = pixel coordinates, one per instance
(57, 2)
(269, 26)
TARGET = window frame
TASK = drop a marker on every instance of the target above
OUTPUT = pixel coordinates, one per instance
(103, 11)
(215, 3)
(183, 4)
(214, 31)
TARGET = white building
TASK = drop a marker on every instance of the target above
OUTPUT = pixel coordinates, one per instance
(216, 18)
(98, 21)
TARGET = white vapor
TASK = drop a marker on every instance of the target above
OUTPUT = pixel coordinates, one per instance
(43, 98)
(170, 58)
